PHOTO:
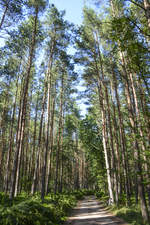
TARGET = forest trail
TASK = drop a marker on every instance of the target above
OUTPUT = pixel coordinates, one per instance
(91, 212)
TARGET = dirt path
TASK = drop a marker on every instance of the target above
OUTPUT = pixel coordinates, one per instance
(90, 212)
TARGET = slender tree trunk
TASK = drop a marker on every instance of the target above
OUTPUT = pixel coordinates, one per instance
(140, 127)
(102, 102)
(103, 113)
(11, 142)
(47, 149)
(59, 136)
(47, 135)
(51, 145)
(23, 114)
(137, 152)
(117, 150)
(4, 15)
(105, 95)
(122, 138)
(62, 158)
(37, 158)
(32, 154)
(147, 11)
(3, 139)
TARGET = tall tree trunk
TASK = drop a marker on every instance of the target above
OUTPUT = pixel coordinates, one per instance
(117, 146)
(37, 158)
(62, 158)
(11, 142)
(105, 139)
(23, 114)
(32, 154)
(137, 152)
(59, 135)
(51, 144)
(139, 122)
(107, 104)
(147, 11)
(122, 138)
(47, 130)
(4, 14)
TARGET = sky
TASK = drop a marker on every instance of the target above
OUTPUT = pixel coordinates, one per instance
(73, 9)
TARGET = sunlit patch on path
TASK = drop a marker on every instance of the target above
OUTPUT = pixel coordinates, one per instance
(90, 212)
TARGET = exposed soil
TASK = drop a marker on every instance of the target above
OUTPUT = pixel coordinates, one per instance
(90, 212)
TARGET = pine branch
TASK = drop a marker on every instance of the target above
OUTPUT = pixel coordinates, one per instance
(137, 4)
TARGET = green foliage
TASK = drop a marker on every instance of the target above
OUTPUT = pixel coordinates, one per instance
(32, 211)
(14, 7)
(88, 192)
(102, 196)
(40, 4)
(4, 199)
(130, 215)
(78, 194)
(99, 194)
(92, 142)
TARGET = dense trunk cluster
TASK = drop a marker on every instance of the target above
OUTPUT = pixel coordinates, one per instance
(116, 75)
(45, 145)
(37, 151)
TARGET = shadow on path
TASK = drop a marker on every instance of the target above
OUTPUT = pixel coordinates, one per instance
(90, 212)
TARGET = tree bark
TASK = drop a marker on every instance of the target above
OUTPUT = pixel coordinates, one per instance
(51, 145)
(37, 158)
(147, 11)
(11, 142)
(23, 114)
(4, 14)
(49, 75)
(59, 135)
(129, 91)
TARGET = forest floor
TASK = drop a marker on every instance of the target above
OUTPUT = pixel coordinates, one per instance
(91, 212)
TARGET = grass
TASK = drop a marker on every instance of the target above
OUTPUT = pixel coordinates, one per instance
(131, 215)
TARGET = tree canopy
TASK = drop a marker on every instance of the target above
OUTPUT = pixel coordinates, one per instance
(46, 145)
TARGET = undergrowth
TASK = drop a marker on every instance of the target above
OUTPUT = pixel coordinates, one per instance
(25, 210)
(131, 215)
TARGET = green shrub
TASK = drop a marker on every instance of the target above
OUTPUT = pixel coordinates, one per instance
(88, 192)
(79, 195)
(130, 215)
(33, 212)
(4, 199)
(99, 194)
(27, 212)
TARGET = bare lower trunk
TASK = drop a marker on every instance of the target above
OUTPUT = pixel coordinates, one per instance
(11, 142)
(37, 158)
(62, 160)
(59, 136)
(47, 143)
(51, 145)
(111, 200)
(102, 103)
(107, 105)
(32, 154)
(137, 151)
(122, 138)
(15, 172)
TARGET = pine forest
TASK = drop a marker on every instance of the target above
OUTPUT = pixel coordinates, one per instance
(52, 154)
